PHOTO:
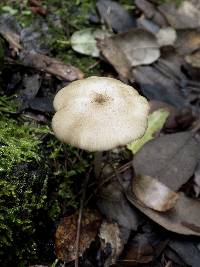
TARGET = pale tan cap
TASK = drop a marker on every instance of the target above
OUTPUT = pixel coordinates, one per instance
(99, 113)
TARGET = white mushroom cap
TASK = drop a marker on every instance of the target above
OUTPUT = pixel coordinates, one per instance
(99, 113)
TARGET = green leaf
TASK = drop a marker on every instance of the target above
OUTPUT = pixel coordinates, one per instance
(156, 120)
(10, 10)
(84, 41)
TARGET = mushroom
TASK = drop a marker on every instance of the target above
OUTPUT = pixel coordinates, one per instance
(98, 114)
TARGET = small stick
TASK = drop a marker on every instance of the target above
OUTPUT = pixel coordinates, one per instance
(80, 218)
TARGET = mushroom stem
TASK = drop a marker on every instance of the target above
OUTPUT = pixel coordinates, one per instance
(97, 163)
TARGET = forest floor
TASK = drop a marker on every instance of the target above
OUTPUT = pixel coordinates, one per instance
(145, 209)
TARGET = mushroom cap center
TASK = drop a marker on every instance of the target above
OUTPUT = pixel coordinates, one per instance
(101, 98)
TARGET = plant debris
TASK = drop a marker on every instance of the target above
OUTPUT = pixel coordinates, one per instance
(153, 193)
(148, 192)
(183, 218)
(65, 238)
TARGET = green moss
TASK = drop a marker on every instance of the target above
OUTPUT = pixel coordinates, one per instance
(37, 175)
(7, 105)
(73, 13)
(21, 12)
(17, 144)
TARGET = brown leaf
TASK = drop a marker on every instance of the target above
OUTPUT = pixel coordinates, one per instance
(50, 65)
(138, 250)
(151, 12)
(183, 16)
(197, 181)
(193, 59)
(184, 218)
(115, 56)
(36, 7)
(65, 237)
(110, 233)
(153, 193)
(132, 48)
(38, 10)
(10, 30)
(171, 159)
(187, 41)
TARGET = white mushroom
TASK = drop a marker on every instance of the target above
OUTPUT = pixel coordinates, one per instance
(99, 114)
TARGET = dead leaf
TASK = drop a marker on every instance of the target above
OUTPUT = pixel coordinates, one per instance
(187, 41)
(129, 49)
(148, 25)
(197, 181)
(51, 65)
(154, 194)
(36, 7)
(193, 59)
(151, 12)
(184, 218)
(187, 251)
(31, 84)
(157, 85)
(166, 36)
(115, 16)
(171, 159)
(10, 30)
(110, 234)
(36, 37)
(65, 237)
(42, 104)
(138, 250)
(183, 16)
(113, 204)
(116, 57)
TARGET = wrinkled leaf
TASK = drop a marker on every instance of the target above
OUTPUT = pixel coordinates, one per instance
(184, 218)
(85, 41)
(171, 159)
(65, 239)
(156, 120)
(133, 48)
